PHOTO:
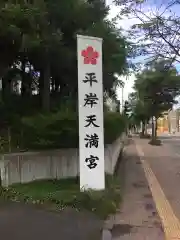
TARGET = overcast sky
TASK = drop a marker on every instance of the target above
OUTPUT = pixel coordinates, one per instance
(126, 24)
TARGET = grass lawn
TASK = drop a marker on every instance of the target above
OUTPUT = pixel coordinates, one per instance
(58, 194)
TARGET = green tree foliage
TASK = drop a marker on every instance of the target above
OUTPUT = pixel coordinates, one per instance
(158, 86)
(60, 130)
(139, 112)
(48, 44)
(127, 108)
(158, 28)
(38, 62)
(156, 89)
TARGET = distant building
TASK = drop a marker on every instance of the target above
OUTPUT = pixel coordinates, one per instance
(162, 123)
(169, 122)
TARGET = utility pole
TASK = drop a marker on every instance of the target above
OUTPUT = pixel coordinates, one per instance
(122, 92)
(122, 96)
(177, 119)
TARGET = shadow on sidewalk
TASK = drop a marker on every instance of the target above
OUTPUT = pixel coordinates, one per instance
(137, 217)
(22, 222)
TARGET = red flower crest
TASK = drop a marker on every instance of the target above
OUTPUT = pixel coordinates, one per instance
(90, 55)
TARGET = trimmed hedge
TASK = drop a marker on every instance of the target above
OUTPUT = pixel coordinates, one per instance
(60, 130)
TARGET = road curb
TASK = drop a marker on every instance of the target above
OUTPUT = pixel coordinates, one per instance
(106, 235)
(110, 221)
(107, 228)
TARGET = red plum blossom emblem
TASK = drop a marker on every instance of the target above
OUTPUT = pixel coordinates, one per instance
(90, 55)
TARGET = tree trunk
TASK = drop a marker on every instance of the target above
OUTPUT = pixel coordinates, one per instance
(46, 89)
(153, 130)
(177, 121)
(143, 128)
(169, 123)
(6, 88)
(23, 78)
(41, 84)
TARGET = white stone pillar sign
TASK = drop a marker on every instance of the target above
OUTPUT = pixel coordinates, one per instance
(91, 129)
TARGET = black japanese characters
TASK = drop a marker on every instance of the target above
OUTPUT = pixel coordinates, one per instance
(92, 161)
(91, 119)
(91, 99)
(91, 78)
(92, 140)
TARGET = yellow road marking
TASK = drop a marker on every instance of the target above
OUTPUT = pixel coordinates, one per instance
(170, 222)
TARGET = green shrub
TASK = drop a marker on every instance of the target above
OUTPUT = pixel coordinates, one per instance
(58, 194)
(60, 130)
(114, 125)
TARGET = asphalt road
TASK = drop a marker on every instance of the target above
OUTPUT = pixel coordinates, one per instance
(173, 141)
(165, 163)
(23, 222)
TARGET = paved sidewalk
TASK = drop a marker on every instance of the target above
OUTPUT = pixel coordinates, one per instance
(165, 166)
(137, 218)
(23, 222)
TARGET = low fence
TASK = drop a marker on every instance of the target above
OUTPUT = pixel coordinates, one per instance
(56, 164)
